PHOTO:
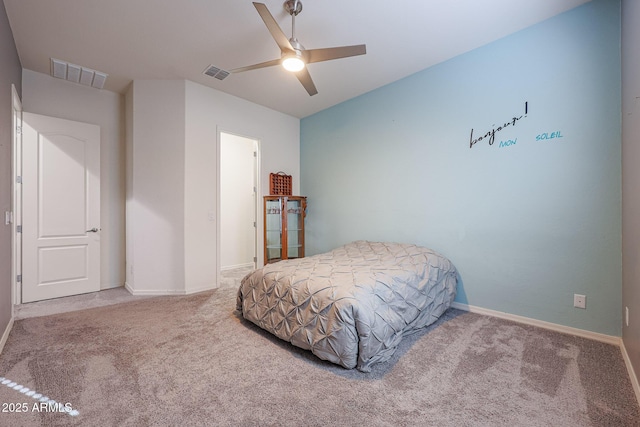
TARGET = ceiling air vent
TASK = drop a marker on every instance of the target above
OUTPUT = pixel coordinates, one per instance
(77, 74)
(216, 72)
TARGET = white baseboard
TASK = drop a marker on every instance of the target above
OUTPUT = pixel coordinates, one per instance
(105, 286)
(157, 292)
(632, 374)
(233, 267)
(609, 339)
(5, 335)
(200, 289)
(167, 292)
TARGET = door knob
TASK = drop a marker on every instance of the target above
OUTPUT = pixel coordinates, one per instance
(93, 230)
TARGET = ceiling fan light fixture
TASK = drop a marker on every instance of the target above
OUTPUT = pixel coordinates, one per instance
(293, 56)
(293, 63)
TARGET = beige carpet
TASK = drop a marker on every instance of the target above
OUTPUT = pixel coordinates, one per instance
(191, 361)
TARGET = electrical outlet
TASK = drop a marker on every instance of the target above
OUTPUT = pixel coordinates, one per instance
(626, 316)
(579, 301)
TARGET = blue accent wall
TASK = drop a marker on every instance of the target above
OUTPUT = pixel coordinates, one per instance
(531, 212)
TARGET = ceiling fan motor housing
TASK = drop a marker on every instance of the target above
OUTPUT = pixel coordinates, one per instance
(296, 45)
(293, 7)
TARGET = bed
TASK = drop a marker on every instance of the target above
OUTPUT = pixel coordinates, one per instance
(352, 305)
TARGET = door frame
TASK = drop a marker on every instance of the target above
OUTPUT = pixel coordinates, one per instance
(16, 197)
(257, 207)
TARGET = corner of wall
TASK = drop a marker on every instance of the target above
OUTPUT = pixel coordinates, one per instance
(5, 335)
(632, 373)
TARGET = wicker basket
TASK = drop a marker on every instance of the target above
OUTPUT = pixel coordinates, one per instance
(279, 184)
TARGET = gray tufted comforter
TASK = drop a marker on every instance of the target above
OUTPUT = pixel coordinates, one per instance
(353, 305)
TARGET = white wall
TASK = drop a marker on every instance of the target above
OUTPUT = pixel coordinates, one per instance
(631, 180)
(237, 201)
(200, 188)
(129, 204)
(43, 94)
(172, 184)
(210, 111)
(155, 202)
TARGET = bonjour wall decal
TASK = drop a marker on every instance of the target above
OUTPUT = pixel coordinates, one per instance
(491, 135)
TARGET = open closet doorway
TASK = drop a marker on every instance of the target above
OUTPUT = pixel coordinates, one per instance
(238, 207)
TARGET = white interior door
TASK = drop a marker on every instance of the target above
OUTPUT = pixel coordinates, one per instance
(60, 208)
(237, 201)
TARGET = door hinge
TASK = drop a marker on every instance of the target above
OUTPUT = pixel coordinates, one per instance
(255, 225)
(255, 154)
(19, 179)
(255, 259)
(19, 278)
(19, 130)
(18, 229)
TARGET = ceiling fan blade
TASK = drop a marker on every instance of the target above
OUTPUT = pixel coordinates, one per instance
(273, 27)
(327, 54)
(257, 66)
(305, 78)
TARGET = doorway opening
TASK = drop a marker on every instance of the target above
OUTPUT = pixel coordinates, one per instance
(238, 217)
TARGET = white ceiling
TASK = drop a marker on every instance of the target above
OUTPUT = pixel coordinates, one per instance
(178, 39)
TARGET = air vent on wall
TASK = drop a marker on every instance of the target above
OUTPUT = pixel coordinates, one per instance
(77, 74)
(216, 72)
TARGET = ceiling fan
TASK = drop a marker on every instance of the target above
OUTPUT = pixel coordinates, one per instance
(294, 57)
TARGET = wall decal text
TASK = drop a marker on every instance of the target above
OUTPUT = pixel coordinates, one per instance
(508, 142)
(549, 135)
(491, 135)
